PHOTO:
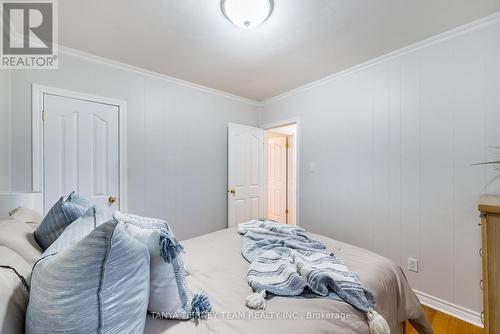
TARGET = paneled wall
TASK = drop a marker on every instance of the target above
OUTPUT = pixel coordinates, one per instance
(393, 145)
(4, 130)
(177, 138)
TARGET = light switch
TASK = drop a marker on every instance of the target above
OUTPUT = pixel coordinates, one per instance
(312, 168)
(413, 265)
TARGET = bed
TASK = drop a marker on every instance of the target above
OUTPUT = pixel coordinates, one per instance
(215, 266)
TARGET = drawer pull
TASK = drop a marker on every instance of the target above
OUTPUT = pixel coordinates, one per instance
(482, 317)
(480, 252)
(481, 284)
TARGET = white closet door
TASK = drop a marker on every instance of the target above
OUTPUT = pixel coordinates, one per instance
(277, 179)
(81, 151)
(245, 173)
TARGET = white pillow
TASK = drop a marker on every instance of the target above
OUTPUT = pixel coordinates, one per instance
(169, 296)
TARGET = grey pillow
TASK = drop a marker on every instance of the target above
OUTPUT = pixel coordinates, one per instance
(26, 215)
(57, 219)
(99, 284)
(14, 275)
(18, 236)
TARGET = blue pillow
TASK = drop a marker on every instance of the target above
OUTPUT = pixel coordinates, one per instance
(55, 222)
(77, 230)
(99, 284)
(77, 199)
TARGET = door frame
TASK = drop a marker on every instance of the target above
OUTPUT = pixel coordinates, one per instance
(277, 124)
(37, 135)
(286, 179)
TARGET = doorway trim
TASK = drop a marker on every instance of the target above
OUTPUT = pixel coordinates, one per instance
(272, 125)
(37, 103)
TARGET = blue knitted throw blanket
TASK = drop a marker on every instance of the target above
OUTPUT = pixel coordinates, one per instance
(284, 261)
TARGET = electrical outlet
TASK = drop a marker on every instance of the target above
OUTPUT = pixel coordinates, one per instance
(413, 264)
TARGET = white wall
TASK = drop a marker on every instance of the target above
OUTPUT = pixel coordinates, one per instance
(177, 139)
(393, 145)
(4, 130)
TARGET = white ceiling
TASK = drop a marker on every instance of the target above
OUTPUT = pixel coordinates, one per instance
(303, 41)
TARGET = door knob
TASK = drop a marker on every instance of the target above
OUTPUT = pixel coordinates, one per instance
(232, 191)
(112, 199)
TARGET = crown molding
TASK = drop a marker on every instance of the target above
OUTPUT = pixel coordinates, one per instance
(455, 32)
(139, 70)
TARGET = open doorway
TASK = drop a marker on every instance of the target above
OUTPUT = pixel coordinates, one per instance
(281, 171)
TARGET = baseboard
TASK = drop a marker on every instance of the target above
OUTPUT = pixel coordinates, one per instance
(451, 309)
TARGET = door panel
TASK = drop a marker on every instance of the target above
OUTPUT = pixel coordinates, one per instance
(245, 173)
(277, 179)
(99, 134)
(68, 147)
(81, 151)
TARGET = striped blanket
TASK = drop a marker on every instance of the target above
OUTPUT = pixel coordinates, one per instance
(284, 261)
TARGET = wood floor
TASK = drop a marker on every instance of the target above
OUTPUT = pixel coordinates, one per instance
(445, 324)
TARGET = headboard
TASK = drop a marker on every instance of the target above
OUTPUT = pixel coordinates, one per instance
(9, 201)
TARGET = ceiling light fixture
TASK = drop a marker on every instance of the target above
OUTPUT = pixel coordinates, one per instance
(247, 14)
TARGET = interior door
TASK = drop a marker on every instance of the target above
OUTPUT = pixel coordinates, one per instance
(277, 179)
(245, 173)
(81, 151)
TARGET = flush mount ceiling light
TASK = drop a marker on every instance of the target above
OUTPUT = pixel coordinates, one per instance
(247, 14)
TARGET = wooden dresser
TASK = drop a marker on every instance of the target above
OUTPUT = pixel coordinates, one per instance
(489, 206)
